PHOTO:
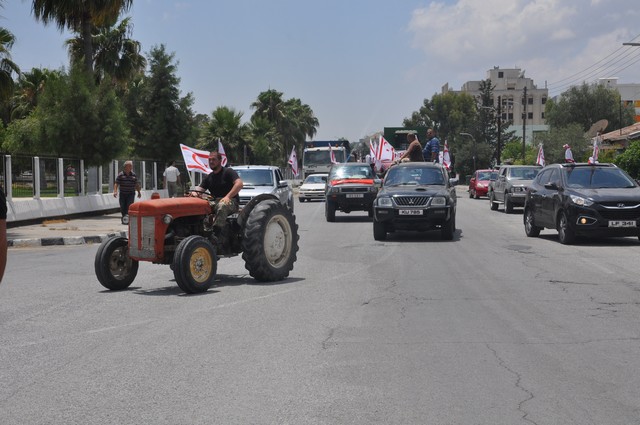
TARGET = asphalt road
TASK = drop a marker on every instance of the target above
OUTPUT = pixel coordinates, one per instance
(490, 328)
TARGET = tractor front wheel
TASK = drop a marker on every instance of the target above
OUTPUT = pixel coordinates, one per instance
(114, 268)
(194, 264)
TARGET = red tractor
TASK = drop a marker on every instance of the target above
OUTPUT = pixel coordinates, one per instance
(179, 232)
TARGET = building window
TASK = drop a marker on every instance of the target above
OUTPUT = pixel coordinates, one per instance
(544, 100)
(530, 115)
(510, 116)
(500, 74)
(530, 101)
(542, 115)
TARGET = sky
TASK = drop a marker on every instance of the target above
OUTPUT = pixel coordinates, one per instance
(361, 65)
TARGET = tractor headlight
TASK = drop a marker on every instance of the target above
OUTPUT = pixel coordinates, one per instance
(167, 219)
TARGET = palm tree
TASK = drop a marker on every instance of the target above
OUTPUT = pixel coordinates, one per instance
(115, 54)
(29, 88)
(226, 125)
(7, 66)
(80, 16)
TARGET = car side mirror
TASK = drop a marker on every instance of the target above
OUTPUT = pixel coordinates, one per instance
(283, 183)
(453, 181)
(551, 186)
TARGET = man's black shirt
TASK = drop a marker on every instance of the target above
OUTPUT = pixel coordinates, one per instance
(220, 184)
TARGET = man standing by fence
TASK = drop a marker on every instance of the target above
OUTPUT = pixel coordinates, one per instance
(171, 179)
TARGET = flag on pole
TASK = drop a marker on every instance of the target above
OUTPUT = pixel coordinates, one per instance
(446, 158)
(332, 155)
(223, 161)
(540, 159)
(293, 161)
(195, 159)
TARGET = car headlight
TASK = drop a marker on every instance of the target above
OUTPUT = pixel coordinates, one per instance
(334, 189)
(579, 200)
(384, 202)
(439, 201)
(167, 219)
(480, 186)
(373, 189)
(515, 189)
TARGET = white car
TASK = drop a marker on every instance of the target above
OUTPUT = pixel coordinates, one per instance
(313, 187)
(259, 179)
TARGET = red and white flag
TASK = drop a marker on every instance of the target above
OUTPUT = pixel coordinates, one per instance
(445, 158)
(372, 150)
(540, 159)
(223, 161)
(195, 159)
(293, 161)
(333, 155)
(384, 151)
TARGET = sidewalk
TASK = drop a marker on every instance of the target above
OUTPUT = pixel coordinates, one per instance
(76, 231)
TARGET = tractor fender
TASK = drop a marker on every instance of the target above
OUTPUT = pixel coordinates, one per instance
(246, 210)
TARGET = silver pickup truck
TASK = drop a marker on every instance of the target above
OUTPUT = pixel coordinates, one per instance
(510, 186)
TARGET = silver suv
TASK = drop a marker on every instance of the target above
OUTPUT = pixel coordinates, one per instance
(510, 187)
(259, 179)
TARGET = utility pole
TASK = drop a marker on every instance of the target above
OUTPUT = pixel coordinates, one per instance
(498, 150)
(524, 123)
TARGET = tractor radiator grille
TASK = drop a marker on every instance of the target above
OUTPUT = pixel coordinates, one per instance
(142, 237)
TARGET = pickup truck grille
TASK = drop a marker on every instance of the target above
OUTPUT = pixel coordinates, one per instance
(411, 201)
(354, 189)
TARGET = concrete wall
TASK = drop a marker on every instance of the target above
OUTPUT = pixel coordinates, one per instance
(23, 209)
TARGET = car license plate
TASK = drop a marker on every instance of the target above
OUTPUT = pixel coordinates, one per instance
(622, 223)
(355, 195)
(410, 212)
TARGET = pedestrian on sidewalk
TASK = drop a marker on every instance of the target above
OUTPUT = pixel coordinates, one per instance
(127, 182)
(171, 179)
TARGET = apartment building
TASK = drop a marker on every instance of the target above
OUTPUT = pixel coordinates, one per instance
(629, 92)
(509, 86)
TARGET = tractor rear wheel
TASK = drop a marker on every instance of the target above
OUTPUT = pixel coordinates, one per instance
(114, 268)
(194, 264)
(270, 241)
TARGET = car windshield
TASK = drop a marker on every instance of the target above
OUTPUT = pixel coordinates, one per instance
(413, 176)
(314, 179)
(524, 173)
(363, 172)
(484, 175)
(597, 178)
(254, 177)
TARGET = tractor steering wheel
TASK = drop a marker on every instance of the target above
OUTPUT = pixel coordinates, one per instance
(201, 193)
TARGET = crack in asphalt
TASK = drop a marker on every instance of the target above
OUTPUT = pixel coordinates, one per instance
(518, 384)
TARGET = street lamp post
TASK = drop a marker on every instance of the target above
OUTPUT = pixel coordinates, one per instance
(474, 148)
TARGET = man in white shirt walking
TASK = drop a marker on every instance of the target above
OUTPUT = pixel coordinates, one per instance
(171, 179)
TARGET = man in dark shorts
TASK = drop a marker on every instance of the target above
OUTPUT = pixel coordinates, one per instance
(224, 185)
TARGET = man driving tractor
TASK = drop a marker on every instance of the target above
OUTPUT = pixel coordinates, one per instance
(223, 184)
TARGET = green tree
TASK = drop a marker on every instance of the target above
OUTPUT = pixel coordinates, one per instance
(292, 120)
(116, 54)
(73, 118)
(28, 90)
(80, 16)
(261, 131)
(165, 119)
(587, 104)
(553, 140)
(629, 160)
(226, 124)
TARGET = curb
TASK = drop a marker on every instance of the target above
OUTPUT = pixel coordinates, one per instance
(66, 240)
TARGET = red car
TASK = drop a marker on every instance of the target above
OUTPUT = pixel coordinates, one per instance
(479, 183)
